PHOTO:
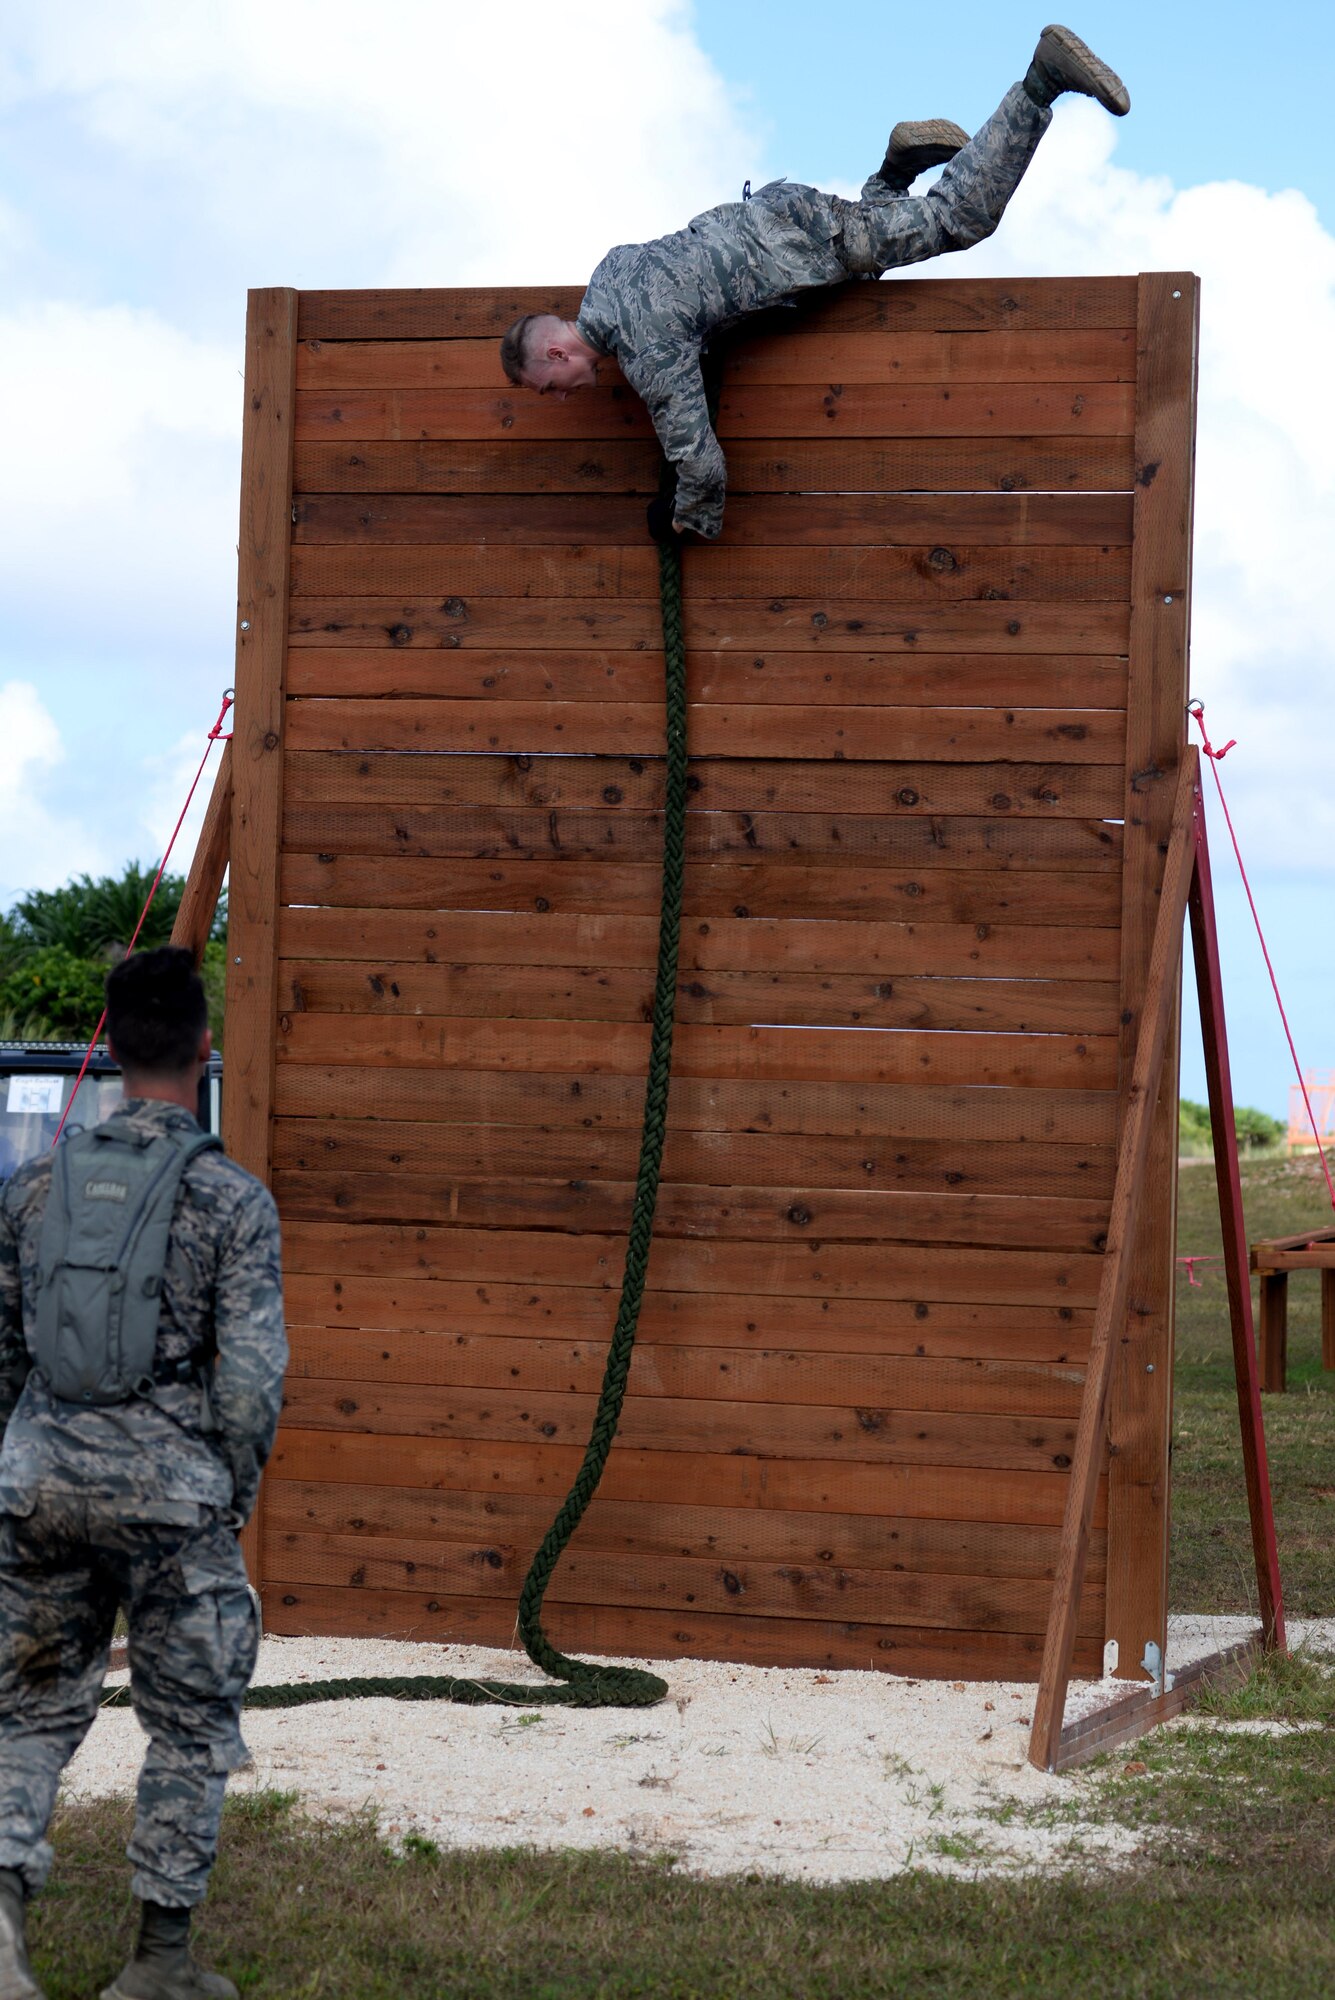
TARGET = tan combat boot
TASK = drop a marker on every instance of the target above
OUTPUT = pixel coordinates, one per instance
(163, 1966)
(16, 1980)
(1063, 62)
(917, 144)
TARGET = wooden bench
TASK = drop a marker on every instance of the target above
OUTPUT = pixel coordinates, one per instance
(1272, 1259)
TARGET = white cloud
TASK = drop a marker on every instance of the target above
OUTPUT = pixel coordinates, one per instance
(167, 779)
(1263, 654)
(41, 846)
(118, 516)
(414, 143)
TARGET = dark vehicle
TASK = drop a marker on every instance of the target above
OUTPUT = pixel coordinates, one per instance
(37, 1081)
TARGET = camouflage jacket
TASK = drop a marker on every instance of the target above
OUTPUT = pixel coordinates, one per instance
(654, 305)
(166, 1455)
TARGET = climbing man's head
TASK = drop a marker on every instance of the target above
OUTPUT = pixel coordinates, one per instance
(545, 353)
(157, 1015)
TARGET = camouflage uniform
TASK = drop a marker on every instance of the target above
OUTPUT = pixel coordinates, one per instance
(136, 1505)
(654, 305)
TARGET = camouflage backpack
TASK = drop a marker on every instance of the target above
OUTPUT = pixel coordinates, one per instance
(101, 1258)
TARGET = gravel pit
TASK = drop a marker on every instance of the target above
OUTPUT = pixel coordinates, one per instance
(822, 1777)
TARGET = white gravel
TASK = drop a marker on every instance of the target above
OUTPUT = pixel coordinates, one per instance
(822, 1776)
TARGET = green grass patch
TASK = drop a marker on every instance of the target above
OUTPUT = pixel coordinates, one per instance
(1211, 1567)
(1283, 1687)
(302, 1908)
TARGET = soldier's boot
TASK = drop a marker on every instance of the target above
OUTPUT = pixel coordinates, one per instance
(163, 1966)
(1063, 62)
(915, 145)
(16, 1980)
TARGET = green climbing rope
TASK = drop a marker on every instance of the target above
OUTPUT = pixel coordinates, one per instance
(577, 1683)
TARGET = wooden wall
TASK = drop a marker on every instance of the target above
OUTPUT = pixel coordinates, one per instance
(936, 674)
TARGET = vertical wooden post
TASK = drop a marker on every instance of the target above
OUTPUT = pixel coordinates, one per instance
(257, 742)
(1237, 1272)
(1140, 1408)
(1274, 1331)
(1131, 1193)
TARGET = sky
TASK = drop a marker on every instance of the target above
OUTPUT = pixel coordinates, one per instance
(157, 159)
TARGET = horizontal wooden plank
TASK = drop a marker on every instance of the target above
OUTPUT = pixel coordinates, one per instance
(836, 356)
(1307, 1239)
(855, 680)
(1033, 409)
(735, 1159)
(792, 624)
(419, 313)
(773, 1055)
(1317, 1259)
(494, 410)
(746, 409)
(969, 305)
(665, 1635)
(722, 944)
(755, 1375)
(735, 1587)
(1042, 790)
(627, 729)
(737, 1534)
(761, 520)
(828, 1270)
(793, 999)
(880, 1327)
(1068, 355)
(795, 889)
(863, 1432)
(732, 1214)
(928, 575)
(527, 833)
(662, 1479)
(976, 1115)
(915, 465)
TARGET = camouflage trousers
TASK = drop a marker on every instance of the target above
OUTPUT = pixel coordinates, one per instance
(885, 230)
(65, 1569)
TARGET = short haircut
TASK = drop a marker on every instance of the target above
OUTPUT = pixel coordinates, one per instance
(516, 347)
(156, 1011)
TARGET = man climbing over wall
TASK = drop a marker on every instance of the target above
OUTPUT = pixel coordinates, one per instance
(142, 1352)
(653, 306)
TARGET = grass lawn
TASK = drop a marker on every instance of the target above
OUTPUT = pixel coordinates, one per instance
(1231, 1893)
(1211, 1562)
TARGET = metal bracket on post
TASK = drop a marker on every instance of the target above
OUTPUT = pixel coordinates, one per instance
(1153, 1664)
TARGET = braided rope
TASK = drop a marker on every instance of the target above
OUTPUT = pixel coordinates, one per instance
(578, 1684)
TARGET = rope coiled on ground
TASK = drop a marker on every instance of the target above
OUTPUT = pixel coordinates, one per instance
(577, 1683)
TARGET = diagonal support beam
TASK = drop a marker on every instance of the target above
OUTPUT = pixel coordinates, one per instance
(1237, 1272)
(1110, 1312)
(203, 884)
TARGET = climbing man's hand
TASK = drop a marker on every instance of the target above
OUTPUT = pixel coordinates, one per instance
(662, 527)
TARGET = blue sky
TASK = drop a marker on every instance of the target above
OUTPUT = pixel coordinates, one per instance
(1218, 92)
(155, 160)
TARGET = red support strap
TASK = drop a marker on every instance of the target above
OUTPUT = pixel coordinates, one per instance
(1196, 710)
(215, 734)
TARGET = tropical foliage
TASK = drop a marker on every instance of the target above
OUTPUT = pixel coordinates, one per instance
(1255, 1129)
(56, 946)
(97, 918)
